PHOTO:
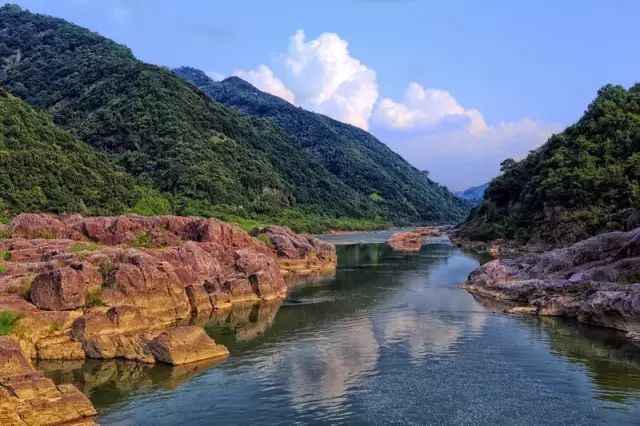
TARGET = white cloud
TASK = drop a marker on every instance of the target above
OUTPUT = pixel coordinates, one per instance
(428, 126)
(215, 76)
(322, 76)
(263, 78)
(431, 129)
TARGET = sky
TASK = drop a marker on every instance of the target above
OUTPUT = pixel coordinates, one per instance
(454, 86)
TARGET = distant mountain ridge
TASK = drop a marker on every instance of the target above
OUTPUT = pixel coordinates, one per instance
(359, 160)
(473, 195)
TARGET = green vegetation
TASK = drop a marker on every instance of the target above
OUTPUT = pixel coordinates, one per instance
(105, 268)
(141, 139)
(93, 297)
(84, 247)
(583, 181)
(143, 241)
(388, 185)
(26, 287)
(3, 268)
(7, 321)
(265, 238)
(55, 326)
(43, 168)
(5, 255)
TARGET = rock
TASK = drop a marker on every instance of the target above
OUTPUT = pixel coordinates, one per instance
(58, 289)
(120, 332)
(633, 221)
(29, 398)
(429, 231)
(184, 345)
(406, 241)
(297, 254)
(594, 281)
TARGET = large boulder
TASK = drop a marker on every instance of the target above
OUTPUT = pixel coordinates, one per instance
(406, 241)
(185, 345)
(596, 281)
(58, 289)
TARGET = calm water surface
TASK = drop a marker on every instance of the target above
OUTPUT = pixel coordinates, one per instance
(389, 339)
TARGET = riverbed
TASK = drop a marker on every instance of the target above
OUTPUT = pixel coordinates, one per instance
(390, 338)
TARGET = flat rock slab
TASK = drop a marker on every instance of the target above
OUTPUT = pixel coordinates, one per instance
(184, 345)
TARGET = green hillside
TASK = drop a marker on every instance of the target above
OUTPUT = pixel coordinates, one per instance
(583, 181)
(366, 165)
(42, 168)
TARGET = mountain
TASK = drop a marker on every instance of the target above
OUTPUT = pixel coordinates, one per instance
(581, 182)
(208, 157)
(473, 195)
(44, 168)
(359, 160)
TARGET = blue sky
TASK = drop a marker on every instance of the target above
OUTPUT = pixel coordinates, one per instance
(453, 86)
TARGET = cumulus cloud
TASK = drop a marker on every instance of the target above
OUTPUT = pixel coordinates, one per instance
(320, 75)
(428, 126)
(458, 147)
(263, 78)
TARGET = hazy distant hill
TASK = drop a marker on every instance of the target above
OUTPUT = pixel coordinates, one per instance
(583, 181)
(473, 195)
(400, 191)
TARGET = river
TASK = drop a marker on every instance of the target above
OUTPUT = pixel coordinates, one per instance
(391, 338)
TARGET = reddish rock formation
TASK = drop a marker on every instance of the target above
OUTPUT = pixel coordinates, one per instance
(296, 253)
(406, 241)
(29, 398)
(430, 231)
(595, 281)
(105, 287)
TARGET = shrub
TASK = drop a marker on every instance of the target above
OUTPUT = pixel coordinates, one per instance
(143, 241)
(7, 321)
(93, 297)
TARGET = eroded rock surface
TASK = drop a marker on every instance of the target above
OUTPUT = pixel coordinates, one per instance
(406, 241)
(106, 287)
(296, 253)
(596, 281)
(184, 345)
(27, 397)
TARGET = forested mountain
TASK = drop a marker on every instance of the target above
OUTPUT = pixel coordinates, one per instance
(159, 127)
(203, 157)
(352, 155)
(583, 181)
(473, 195)
(43, 168)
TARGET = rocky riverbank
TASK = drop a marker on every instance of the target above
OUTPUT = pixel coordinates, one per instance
(595, 281)
(128, 287)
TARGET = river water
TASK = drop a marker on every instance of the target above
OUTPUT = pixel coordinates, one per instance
(391, 338)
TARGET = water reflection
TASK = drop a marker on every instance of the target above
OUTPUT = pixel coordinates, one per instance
(109, 382)
(390, 326)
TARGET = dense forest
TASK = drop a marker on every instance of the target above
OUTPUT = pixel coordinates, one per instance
(43, 168)
(583, 181)
(366, 165)
(199, 156)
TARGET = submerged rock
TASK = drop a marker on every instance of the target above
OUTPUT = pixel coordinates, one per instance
(406, 241)
(596, 281)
